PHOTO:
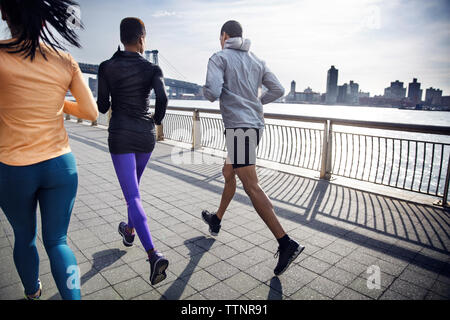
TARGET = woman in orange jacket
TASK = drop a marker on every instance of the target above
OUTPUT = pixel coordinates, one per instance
(36, 163)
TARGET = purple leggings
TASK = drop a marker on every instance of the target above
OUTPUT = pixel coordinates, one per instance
(129, 168)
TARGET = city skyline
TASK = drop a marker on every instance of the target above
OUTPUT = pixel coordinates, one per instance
(371, 42)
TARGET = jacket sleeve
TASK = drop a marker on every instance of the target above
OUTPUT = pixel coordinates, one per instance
(274, 88)
(214, 79)
(103, 94)
(161, 95)
(84, 107)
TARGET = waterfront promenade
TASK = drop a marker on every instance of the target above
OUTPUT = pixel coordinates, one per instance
(344, 230)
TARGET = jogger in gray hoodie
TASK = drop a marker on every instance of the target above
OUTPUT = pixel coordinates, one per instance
(236, 77)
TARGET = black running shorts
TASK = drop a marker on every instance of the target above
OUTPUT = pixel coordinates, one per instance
(241, 145)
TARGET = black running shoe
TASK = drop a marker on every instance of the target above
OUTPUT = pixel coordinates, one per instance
(213, 228)
(158, 266)
(286, 256)
(128, 239)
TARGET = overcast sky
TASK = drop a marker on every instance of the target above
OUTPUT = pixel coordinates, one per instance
(371, 42)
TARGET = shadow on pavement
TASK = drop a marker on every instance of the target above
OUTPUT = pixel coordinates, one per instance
(102, 259)
(276, 289)
(177, 287)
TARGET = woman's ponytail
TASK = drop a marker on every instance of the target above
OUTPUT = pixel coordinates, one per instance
(29, 21)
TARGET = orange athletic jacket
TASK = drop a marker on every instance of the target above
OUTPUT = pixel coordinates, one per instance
(32, 105)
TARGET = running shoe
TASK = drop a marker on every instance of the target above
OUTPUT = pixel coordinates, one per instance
(213, 228)
(40, 293)
(158, 266)
(128, 238)
(286, 256)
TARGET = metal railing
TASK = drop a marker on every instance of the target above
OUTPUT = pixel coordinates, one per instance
(313, 143)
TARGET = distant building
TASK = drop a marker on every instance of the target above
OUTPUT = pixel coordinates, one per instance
(332, 88)
(342, 93)
(363, 94)
(308, 95)
(382, 101)
(353, 98)
(395, 91)
(433, 96)
(293, 84)
(445, 101)
(414, 92)
(93, 85)
(348, 93)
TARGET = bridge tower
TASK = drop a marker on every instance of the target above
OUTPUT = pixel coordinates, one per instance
(154, 54)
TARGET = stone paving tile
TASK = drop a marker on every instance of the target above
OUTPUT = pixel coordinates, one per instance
(351, 266)
(151, 295)
(339, 275)
(224, 252)
(105, 294)
(261, 272)
(307, 293)
(222, 270)
(119, 274)
(441, 288)
(258, 254)
(8, 278)
(392, 295)
(349, 294)
(242, 261)
(385, 278)
(326, 287)
(12, 292)
(434, 296)
(240, 245)
(339, 249)
(220, 291)
(200, 280)
(360, 285)
(176, 290)
(389, 268)
(408, 289)
(300, 274)
(328, 256)
(417, 279)
(286, 285)
(265, 292)
(183, 268)
(241, 282)
(132, 288)
(91, 280)
(315, 264)
(206, 259)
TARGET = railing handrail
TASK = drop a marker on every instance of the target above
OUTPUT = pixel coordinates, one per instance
(417, 128)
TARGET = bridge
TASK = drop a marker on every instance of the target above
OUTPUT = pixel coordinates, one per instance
(176, 87)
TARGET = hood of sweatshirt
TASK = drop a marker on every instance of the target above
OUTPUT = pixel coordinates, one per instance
(238, 43)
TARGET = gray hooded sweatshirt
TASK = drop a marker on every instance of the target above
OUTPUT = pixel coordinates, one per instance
(236, 76)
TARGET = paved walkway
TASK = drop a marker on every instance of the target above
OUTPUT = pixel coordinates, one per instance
(345, 231)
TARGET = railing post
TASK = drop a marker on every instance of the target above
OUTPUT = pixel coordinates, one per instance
(325, 163)
(330, 150)
(94, 123)
(67, 116)
(196, 130)
(160, 132)
(79, 120)
(444, 202)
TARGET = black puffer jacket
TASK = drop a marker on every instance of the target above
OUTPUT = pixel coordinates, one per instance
(129, 78)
